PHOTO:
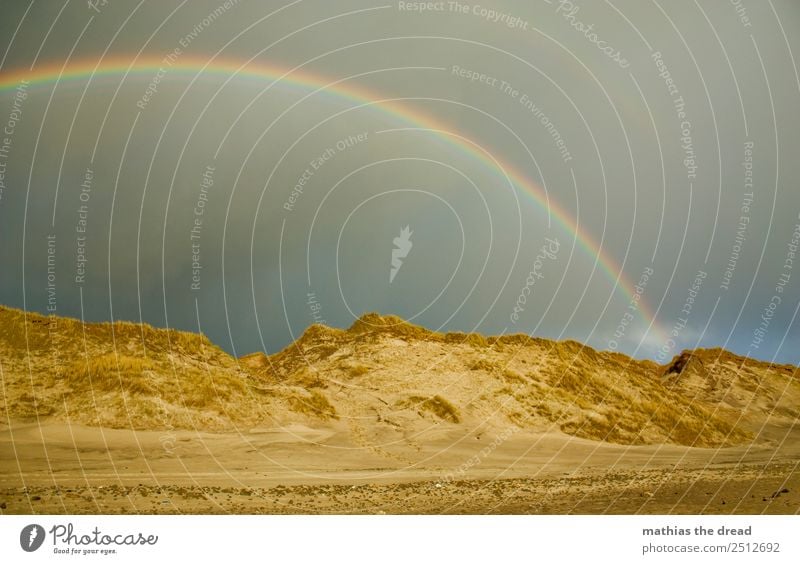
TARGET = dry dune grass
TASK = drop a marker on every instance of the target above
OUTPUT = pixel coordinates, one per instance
(750, 389)
(122, 390)
(127, 374)
(436, 405)
(313, 403)
(610, 397)
(120, 375)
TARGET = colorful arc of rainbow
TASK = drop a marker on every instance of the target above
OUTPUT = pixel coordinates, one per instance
(88, 70)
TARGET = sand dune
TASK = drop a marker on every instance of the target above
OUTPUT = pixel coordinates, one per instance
(384, 417)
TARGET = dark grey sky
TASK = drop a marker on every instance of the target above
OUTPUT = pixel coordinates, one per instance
(445, 120)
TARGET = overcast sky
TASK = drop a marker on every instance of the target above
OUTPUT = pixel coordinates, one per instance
(249, 208)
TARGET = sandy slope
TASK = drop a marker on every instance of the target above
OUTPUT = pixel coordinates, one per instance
(384, 417)
(58, 468)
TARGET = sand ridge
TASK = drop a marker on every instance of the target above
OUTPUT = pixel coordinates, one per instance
(130, 418)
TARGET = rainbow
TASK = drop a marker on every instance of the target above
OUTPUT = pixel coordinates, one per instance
(148, 67)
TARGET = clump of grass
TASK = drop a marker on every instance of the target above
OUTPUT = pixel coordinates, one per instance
(483, 364)
(572, 382)
(186, 385)
(517, 339)
(314, 404)
(474, 339)
(207, 390)
(437, 405)
(374, 324)
(110, 372)
(26, 406)
(356, 369)
(317, 332)
(513, 377)
(692, 425)
(308, 378)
